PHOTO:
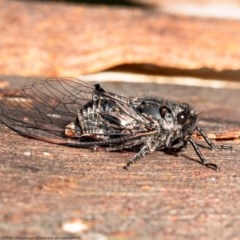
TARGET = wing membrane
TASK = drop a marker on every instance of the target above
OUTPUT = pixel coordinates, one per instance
(42, 110)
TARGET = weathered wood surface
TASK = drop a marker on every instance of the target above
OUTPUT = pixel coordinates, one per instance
(43, 186)
(51, 38)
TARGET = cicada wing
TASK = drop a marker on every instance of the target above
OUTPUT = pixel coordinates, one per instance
(42, 110)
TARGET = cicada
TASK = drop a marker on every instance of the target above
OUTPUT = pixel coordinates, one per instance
(73, 113)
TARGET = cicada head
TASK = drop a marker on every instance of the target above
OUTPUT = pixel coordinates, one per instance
(177, 121)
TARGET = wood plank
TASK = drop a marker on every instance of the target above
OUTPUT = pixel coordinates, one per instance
(46, 38)
(44, 186)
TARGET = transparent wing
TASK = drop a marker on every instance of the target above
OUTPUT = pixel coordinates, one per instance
(42, 110)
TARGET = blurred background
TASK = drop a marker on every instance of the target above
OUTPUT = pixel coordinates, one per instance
(164, 41)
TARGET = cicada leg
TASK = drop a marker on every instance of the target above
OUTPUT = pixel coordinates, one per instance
(209, 142)
(201, 157)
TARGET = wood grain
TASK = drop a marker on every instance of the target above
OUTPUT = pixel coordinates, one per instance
(45, 38)
(45, 187)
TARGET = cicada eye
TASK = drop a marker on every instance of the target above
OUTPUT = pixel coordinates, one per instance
(182, 117)
(163, 111)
